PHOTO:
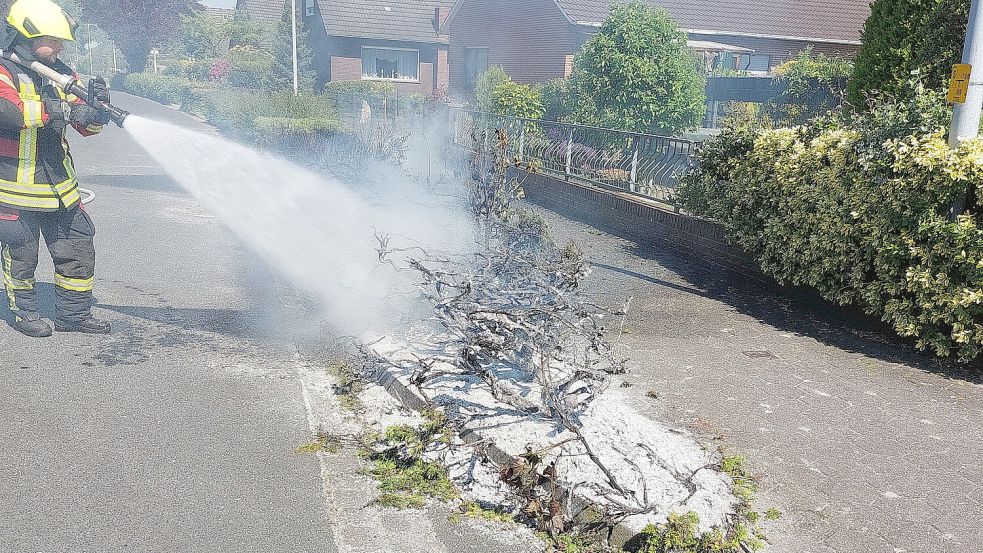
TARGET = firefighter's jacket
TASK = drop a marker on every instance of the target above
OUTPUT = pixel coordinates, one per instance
(36, 168)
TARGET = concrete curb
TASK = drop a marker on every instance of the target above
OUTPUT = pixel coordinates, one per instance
(587, 512)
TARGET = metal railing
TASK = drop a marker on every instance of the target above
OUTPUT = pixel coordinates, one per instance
(643, 164)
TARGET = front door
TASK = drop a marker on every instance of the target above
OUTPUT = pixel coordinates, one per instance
(475, 63)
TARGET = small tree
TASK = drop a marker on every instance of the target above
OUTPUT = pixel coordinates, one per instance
(243, 31)
(902, 36)
(638, 74)
(198, 36)
(137, 25)
(484, 87)
(813, 84)
(555, 95)
(517, 100)
(281, 76)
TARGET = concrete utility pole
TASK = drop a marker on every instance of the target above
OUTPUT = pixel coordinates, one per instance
(293, 19)
(966, 116)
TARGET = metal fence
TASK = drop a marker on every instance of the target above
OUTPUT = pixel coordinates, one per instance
(643, 164)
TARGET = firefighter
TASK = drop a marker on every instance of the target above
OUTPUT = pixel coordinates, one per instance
(39, 194)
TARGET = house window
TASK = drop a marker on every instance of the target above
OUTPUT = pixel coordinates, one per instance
(744, 62)
(309, 8)
(391, 64)
(756, 62)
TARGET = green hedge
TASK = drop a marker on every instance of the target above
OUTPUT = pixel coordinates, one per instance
(166, 89)
(265, 117)
(859, 211)
(359, 88)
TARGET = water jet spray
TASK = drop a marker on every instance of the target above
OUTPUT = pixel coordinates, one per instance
(70, 85)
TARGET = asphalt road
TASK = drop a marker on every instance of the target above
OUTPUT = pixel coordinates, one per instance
(177, 431)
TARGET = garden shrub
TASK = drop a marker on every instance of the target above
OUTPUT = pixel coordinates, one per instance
(858, 209)
(514, 99)
(248, 67)
(265, 117)
(813, 85)
(165, 89)
(555, 96)
(198, 69)
(484, 87)
(638, 74)
(360, 88)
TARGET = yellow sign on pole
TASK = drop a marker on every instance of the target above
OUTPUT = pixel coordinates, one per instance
(959, 84)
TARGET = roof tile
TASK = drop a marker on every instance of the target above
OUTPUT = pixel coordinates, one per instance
(399, 20)
(839, 20)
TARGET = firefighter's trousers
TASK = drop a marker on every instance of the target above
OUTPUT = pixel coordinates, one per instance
(68, 234)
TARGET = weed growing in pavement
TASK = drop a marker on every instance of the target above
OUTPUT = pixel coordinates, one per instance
(472, 509)
(349, 385)
(681, 534)
(325, 442)
(405, 478)
(745, 485)
(773, 514)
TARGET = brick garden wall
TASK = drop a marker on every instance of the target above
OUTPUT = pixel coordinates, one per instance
(639, 220)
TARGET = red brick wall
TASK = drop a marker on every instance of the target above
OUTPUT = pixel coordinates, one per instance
(346, 69)
(443, 70)
(528, 38)
(534, 42)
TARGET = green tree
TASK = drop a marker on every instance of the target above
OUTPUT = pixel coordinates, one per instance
(638, 74)
(281, 76)
(243, 31)
(555, 95)
(484, 87)
(813, 85)
(517, 100)
(200, 36)
(137, 25)
(903, 36)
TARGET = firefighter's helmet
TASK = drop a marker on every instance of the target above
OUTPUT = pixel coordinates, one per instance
(38, 18)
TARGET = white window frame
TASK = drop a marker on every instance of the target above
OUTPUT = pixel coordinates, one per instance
(397, 80)
(308, 8)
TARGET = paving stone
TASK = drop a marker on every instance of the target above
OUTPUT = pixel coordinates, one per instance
(868, 445)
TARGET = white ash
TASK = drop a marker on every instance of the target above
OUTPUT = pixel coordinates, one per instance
(661, 468)
(381, 410)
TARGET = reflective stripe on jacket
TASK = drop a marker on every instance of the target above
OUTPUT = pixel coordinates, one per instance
(36, 168)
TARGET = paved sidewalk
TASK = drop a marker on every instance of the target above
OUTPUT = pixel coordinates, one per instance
(177, 432)
(864, 445)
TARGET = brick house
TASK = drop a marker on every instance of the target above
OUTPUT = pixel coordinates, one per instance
(535, 40)
(375, 40)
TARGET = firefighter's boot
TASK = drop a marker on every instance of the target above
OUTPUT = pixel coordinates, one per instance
(32, 325)
(88, 325)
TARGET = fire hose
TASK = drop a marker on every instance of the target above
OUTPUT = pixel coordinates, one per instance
(70, 85)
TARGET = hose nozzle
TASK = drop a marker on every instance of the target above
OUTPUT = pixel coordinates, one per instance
(70, 85)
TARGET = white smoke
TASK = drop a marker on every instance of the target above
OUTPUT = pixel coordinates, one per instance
(313, 229)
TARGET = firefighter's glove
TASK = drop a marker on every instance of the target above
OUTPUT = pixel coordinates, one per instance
(59, 112)
(87, 116)
(57, 109)
(99, 90)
